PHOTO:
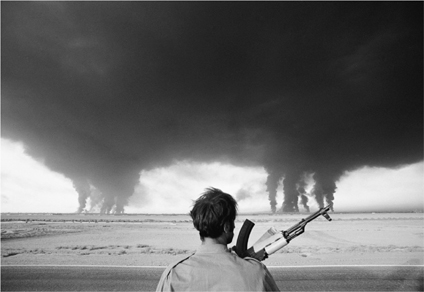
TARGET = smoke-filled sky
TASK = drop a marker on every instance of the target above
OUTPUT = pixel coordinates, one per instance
(108, 93)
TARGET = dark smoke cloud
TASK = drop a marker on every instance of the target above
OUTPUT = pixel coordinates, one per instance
(103, 90)
(301, 188)
(84, 192)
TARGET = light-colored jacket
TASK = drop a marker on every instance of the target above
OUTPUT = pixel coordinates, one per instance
(214, 268)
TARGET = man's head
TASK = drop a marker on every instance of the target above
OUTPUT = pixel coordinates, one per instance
(214, 213)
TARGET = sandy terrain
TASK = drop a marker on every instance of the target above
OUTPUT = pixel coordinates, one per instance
(157, 240)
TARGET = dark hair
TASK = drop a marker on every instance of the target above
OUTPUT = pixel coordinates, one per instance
(211, 211)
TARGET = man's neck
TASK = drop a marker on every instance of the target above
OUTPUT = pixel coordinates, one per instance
(213, 241)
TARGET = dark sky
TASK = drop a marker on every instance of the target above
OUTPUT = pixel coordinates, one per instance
(102, 90)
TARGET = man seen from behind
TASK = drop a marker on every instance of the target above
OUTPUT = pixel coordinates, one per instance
(213, 267)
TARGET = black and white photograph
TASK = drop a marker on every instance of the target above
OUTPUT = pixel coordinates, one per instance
(212, 146)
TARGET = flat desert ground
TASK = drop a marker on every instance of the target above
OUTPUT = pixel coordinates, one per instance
(157, 240)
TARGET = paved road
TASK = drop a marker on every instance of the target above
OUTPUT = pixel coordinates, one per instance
(97, 278)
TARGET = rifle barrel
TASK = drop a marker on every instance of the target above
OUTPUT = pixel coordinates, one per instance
(303, 222)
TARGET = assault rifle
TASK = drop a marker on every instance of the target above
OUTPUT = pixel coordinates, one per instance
(273, 239)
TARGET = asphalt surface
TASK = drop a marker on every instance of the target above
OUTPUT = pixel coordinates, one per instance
(111, 278)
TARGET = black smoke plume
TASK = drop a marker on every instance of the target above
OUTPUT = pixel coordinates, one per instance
(84, 192)
(301, 185)
(103, 90)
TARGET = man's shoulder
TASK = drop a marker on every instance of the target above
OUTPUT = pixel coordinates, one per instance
(253, 260)
(176, 262)
(172, 265)
(164, 282)
(249, 262)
